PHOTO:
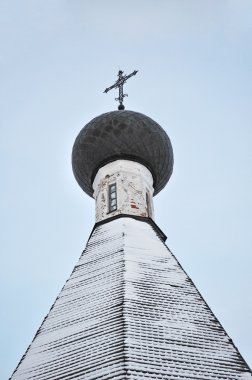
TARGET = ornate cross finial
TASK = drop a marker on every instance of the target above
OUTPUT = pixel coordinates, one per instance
(119, 84)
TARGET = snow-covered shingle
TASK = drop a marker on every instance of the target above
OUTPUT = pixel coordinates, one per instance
(129, 311)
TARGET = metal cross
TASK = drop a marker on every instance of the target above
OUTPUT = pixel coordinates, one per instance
(119, 84)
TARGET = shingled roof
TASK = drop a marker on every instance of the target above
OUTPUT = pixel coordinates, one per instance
(129, 311)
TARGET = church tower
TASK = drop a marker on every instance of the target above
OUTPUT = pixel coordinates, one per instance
(128, 310)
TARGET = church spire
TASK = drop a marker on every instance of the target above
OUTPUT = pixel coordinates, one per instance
(128, 311)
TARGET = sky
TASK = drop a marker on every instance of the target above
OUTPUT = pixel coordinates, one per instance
(194, 59)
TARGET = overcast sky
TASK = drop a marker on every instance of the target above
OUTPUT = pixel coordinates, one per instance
(194, 59)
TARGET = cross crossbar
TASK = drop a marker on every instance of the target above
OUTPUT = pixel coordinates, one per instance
(119, 84)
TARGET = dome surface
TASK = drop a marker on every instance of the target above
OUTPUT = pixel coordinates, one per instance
(124, 135)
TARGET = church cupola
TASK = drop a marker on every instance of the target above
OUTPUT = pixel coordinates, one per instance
(122, 159)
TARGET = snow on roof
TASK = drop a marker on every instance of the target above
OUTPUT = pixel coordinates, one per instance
(129, 311)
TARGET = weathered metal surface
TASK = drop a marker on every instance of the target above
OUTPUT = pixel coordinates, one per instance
(123, 135)
(129, 311)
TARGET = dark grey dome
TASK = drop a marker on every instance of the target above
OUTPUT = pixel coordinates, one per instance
(124, 135)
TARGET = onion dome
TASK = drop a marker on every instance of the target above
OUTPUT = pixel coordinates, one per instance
(124, 135)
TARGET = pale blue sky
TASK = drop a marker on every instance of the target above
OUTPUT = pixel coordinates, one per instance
(194, 59)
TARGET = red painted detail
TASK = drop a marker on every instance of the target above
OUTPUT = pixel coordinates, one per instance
(133, 205)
